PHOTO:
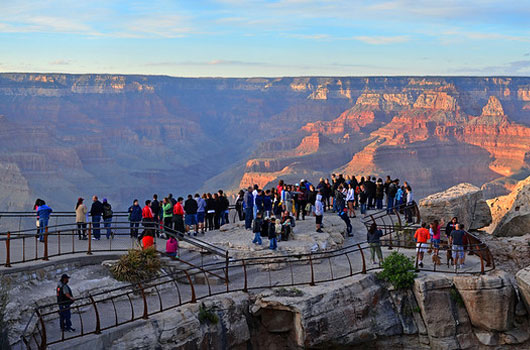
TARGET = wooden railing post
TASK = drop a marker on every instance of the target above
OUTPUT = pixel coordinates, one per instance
(43, 341)
(8, 250)
(418, 250)
(245, 288)
(89, 252)
(193, 296)
(45, 258)
(312, 283)
(226, 272)
(145, 316)
(98, 322)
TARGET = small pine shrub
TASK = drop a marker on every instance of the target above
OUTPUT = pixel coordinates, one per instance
(137, 265)
(207, 315)
(398, 270)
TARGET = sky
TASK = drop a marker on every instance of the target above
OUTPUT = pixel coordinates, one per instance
(253, 38)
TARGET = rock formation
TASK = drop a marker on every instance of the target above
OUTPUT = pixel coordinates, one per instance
(464, 201)
(511, 213)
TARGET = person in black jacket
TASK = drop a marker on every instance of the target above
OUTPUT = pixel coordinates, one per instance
(363, 197)
(210, 212)
(96, 211)
(239, 205)
(273, 244)
(224, 205)
(107, 218)
(190, 208)
(155, 207)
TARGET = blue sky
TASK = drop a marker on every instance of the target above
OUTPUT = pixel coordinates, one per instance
(235, 38)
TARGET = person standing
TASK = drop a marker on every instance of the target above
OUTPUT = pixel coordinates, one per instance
(201, 212)
(96, 211)
(363, 197)
(451, 226)
(178, 215)
(267, 203)
(350, 199)
(167, 209)
(43, 213)
(148, 219)
(135, 217)
(422, 236)
(224, 207)
(155, 207)
(456, 239)
(239, 205)
(190, 208)
(273, 243)
(80, 218)
(373, 238)
(210, 212)
(248, 203)
(410, 204)
(256, 228)
(65, 299)
(391, 195)
(38, 202)
(107, 217)
(379, 194)
(319, 212)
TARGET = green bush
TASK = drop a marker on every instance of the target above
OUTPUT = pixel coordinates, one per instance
(284, 292)
(455, 296)
(207, 315)
(137, 265)
(398, 270)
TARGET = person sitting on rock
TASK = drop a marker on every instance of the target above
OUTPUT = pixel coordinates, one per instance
(287, 224)
(148, 239)
(172, 246)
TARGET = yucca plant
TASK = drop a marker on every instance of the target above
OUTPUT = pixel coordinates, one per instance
(137, 265)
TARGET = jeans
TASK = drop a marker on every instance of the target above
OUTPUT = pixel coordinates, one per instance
(95, 224)
(134, 228)
(64, 317)
(106, 224)
(81, 229)
(273, 244)
(363, 208)
(390, 205)
(257, 238)
(248, 217)
(43, 223)
(254, 211)
(379, 203)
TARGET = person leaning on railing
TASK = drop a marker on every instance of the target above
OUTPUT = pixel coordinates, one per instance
(43, 212)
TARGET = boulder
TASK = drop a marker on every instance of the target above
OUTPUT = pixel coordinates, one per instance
(523, 282)
(464, 201)
(489, 300)
(511, 213)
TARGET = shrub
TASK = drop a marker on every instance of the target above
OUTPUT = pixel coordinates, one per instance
(207, 315)
(455, 296)
(137, 265)
(284, 292)
(398, 270)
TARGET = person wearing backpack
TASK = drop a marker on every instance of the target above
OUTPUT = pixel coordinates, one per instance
(107, 218)
(391, 195)
(64, 300)
(135, 216)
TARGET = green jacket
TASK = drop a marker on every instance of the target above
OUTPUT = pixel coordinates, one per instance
(168, 210)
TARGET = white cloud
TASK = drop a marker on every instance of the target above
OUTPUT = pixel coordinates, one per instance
(382, 40)
(60, 62)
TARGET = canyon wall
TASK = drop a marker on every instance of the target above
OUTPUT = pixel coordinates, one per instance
(126, 137)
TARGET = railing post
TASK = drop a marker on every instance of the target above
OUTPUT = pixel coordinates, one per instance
(45, 258)
(226, 272)
(417, 256)
(362, 257)
(8, 250)
(146, 312)
(193, 296)
(59, 242)
(245, 289)
(312, 283)
(481, 260)
(89, 252)
(98, 322)
(43, 341)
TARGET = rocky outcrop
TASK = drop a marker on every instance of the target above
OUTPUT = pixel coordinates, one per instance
(511, 213)
(489, 300)
(523, 282)
(464, 201)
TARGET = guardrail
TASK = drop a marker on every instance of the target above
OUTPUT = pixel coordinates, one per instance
(115, 307)
(63, 240)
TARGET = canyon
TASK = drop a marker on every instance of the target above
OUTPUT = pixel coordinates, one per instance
(126, 136)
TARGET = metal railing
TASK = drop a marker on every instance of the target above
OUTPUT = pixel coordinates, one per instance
(115, 307)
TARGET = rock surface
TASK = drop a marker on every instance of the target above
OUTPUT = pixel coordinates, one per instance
(464, 201)
(489, 300)
(523, 282)
(511, 213)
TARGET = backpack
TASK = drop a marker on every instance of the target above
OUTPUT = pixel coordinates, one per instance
(107, 211)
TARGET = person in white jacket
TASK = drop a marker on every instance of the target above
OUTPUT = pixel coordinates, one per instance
(319, 211)
(350, 200)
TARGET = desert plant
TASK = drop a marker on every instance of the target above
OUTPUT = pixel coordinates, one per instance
(4, 300)
(398, 269)
(284, 292)
(137, 265)
(207, 315)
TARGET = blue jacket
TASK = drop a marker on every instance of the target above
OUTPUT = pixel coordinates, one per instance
(248, 200)
(44, 212)
(267, 203)
(135, 213)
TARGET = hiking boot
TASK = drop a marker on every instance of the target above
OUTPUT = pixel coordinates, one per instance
(320, 231)
(420, 264)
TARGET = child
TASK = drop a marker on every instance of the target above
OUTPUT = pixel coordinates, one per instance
(148, 240)
(319, 212)
(256, 228)
(434, 232)
(172, 246)
(272, 234)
